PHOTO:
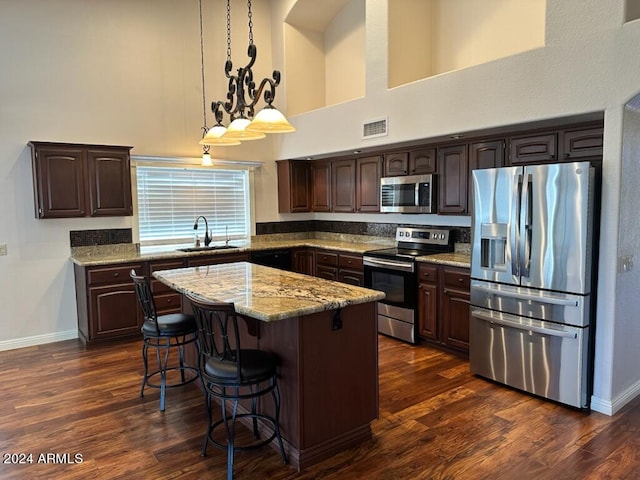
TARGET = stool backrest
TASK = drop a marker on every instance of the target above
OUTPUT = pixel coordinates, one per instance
(145, 298)
(218, 334)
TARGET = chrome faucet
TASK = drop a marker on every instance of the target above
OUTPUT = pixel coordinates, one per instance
(207, 236)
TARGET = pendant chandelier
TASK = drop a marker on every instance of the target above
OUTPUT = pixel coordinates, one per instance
(242, 98)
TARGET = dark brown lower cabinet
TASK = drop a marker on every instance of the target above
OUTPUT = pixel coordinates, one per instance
(107, 303)
(303, 261)
(443, 306)
(343, 267)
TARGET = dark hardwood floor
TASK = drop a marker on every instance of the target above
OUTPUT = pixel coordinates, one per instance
(437, 421)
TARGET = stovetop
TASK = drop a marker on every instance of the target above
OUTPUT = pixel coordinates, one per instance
(415, 242)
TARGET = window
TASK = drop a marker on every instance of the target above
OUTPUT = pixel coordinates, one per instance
(170, 199)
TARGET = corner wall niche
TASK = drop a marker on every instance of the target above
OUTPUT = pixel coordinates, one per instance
(454, 34)
(324, 47)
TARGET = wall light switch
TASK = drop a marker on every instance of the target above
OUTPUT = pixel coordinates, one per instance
(625, 263)
(3, 249)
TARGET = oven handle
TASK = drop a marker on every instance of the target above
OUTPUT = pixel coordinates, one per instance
(528, 328)
(377, 262)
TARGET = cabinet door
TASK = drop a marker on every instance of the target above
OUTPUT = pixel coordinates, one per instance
(396, 164)
(303, 261)
(452, 179)
(422, 161)
(294, 184)
(455, 319)
(59, 186)
(486, 155)
(533, 149)
(583, 143)
(114, 311)
(343, 185)
(428, 310)
(369, 170)
(167, 300)
(109, 176)
(321, 186)
(352, 277)
(326, 272)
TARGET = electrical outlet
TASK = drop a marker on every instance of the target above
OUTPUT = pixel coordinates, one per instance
(625, 263)
(3, 249)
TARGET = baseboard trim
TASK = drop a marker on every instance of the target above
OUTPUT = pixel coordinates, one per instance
(38, 340)
(612, 407)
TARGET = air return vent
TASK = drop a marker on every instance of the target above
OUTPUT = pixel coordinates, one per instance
(375, 128)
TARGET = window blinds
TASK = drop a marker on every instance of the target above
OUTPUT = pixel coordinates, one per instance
(170, 199)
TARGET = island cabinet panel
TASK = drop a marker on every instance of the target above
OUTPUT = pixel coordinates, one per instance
(204, 260)
(107, 302)
(321, 186)
(328, 378)
(75, 180)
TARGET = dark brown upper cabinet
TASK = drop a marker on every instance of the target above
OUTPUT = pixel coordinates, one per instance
(294, 186)
(423, 161)
(368, 173)
(582, 143)
(539, 148)
(396, 164)
(453, 172)
(343, 185)
(77, 180)
(486, 154)
(321, 186)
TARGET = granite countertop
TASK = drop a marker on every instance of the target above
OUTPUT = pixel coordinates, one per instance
(265, 293)
(130, 252)
(456, 259)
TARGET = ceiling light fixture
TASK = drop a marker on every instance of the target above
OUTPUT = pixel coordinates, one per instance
(209, 136)
(243, 96)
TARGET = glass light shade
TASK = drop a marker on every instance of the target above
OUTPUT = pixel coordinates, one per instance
(237, 130)
(215, 137)
(270, 120)
(206, 160)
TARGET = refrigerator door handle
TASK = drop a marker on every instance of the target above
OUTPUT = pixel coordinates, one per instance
(525, 226)
(565, 302)
(514, 241)
(528, 328)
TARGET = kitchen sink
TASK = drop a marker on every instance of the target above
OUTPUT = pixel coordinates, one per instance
(206, 249)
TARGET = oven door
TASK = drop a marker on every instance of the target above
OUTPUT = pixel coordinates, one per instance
(397, 311)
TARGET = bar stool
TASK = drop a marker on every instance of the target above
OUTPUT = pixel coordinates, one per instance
(162, 333)
(231, 373)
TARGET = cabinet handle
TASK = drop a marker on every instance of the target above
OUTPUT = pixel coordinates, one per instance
(460, 280)
(116, 274)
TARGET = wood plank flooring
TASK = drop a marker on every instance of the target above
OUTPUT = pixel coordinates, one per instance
(437, 421)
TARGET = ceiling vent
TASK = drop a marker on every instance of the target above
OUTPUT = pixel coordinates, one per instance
(375, 128)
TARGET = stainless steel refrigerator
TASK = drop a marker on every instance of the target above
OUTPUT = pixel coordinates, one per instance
(531, 266)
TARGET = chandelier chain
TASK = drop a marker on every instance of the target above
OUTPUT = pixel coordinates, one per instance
(204, 96)
(250, 15)
(228, 30)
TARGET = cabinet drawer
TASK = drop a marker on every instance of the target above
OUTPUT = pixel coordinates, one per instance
(327, 258)
(427, 273)
(115, 274)
(168, 303)
(454, 278)
(156, 285)
(350, 261)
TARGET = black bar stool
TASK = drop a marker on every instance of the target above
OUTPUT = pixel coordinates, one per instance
(162, 333)
(231, 373)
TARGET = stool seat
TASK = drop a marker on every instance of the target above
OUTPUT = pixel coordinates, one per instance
(171, 324)
(255, 366)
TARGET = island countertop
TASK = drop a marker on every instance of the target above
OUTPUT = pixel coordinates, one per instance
(265, 293)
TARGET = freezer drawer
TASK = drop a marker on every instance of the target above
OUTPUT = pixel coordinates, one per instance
(543, 358)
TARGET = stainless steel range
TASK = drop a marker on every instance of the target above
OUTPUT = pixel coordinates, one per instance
(394, 272)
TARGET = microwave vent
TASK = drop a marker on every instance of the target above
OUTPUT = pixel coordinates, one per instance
(375, 128)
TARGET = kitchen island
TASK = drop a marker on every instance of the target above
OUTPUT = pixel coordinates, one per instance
(325, 335)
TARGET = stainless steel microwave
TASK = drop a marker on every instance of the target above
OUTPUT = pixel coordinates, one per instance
(410, 194)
